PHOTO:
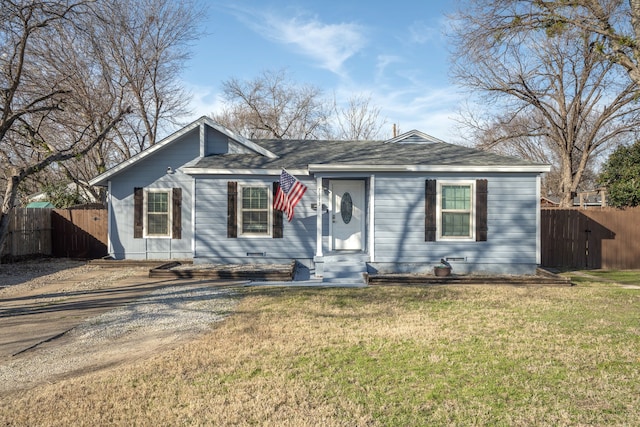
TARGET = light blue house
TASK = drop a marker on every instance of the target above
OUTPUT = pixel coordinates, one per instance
(401, 205)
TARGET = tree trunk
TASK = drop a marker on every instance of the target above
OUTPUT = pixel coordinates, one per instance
(634, 6)
(10, 195)
(566, 183)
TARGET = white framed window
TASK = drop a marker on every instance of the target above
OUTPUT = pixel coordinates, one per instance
(255, 210)
(456, 210)
(157, 213)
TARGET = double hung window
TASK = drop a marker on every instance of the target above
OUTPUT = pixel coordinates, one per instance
(157, 213)
(255, 211)
(250, 211)
(456, 210)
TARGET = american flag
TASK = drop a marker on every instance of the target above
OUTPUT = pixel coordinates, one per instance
(288, 194)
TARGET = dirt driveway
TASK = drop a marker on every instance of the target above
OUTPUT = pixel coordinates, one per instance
(69, 318)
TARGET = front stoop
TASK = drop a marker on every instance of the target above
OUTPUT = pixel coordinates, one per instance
(345, 269)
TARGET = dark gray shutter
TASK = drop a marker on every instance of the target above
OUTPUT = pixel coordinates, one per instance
(430, 211)
(481, 210)
(138, 212)
(278, 223)
(232, 209)
(176, 226)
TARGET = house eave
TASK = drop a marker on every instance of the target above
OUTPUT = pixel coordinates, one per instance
(103, 179)
(238, 171)
(319, 168)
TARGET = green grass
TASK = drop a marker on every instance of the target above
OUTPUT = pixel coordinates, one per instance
(380, 356)
(625, 277)
(500, 364)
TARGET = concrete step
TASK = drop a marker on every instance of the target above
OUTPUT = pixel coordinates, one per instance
(344, 271)
(346, 257)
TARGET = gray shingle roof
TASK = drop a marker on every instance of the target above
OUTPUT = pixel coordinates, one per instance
(301, 153)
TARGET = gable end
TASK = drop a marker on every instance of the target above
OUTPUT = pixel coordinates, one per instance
(413, 137)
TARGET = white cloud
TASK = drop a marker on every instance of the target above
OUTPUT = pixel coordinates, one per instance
(421, 33)
(383, 61)
(204, 100)
(329, 45)
(429, 110)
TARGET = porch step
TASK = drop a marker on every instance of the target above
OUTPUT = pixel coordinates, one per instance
(346, 270)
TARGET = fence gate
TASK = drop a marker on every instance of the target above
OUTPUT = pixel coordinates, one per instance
(565, 239)
(79, 233)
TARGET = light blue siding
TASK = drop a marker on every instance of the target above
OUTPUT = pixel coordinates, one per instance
(399, 226)
(215, 142)
(151, 172)
(213, 245)
(511, 246)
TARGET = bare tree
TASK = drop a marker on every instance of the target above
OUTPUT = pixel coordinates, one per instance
(42, 120)
(129, 53)
(552, 89)
(144, 45)
(358, 120)
(613, 25)
(137, 48)
(273, 106)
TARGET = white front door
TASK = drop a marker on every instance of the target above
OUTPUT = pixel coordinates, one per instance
(348, 218)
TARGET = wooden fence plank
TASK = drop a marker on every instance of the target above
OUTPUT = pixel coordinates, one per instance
(29, 233)
(84, 231)
(74, 233)
(591, 238)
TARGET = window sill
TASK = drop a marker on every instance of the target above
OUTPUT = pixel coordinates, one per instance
(456, 239)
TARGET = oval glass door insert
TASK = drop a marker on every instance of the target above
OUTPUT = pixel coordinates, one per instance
(346, 208)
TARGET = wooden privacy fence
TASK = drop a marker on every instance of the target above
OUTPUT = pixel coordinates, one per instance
(591, 238)
(72, 233)
(79, 233)
(29, 233)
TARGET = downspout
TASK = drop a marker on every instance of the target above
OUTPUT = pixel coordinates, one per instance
(318, 259)
(372, 216)
(319, 192)
(109, 221)
(193, 218)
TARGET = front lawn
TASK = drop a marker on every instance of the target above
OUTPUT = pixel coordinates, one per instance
(623, 277)
(406, 356)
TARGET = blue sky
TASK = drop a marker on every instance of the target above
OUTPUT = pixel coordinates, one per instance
(394, 51)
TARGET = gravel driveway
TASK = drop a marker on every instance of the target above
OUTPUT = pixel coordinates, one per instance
(65, 318)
